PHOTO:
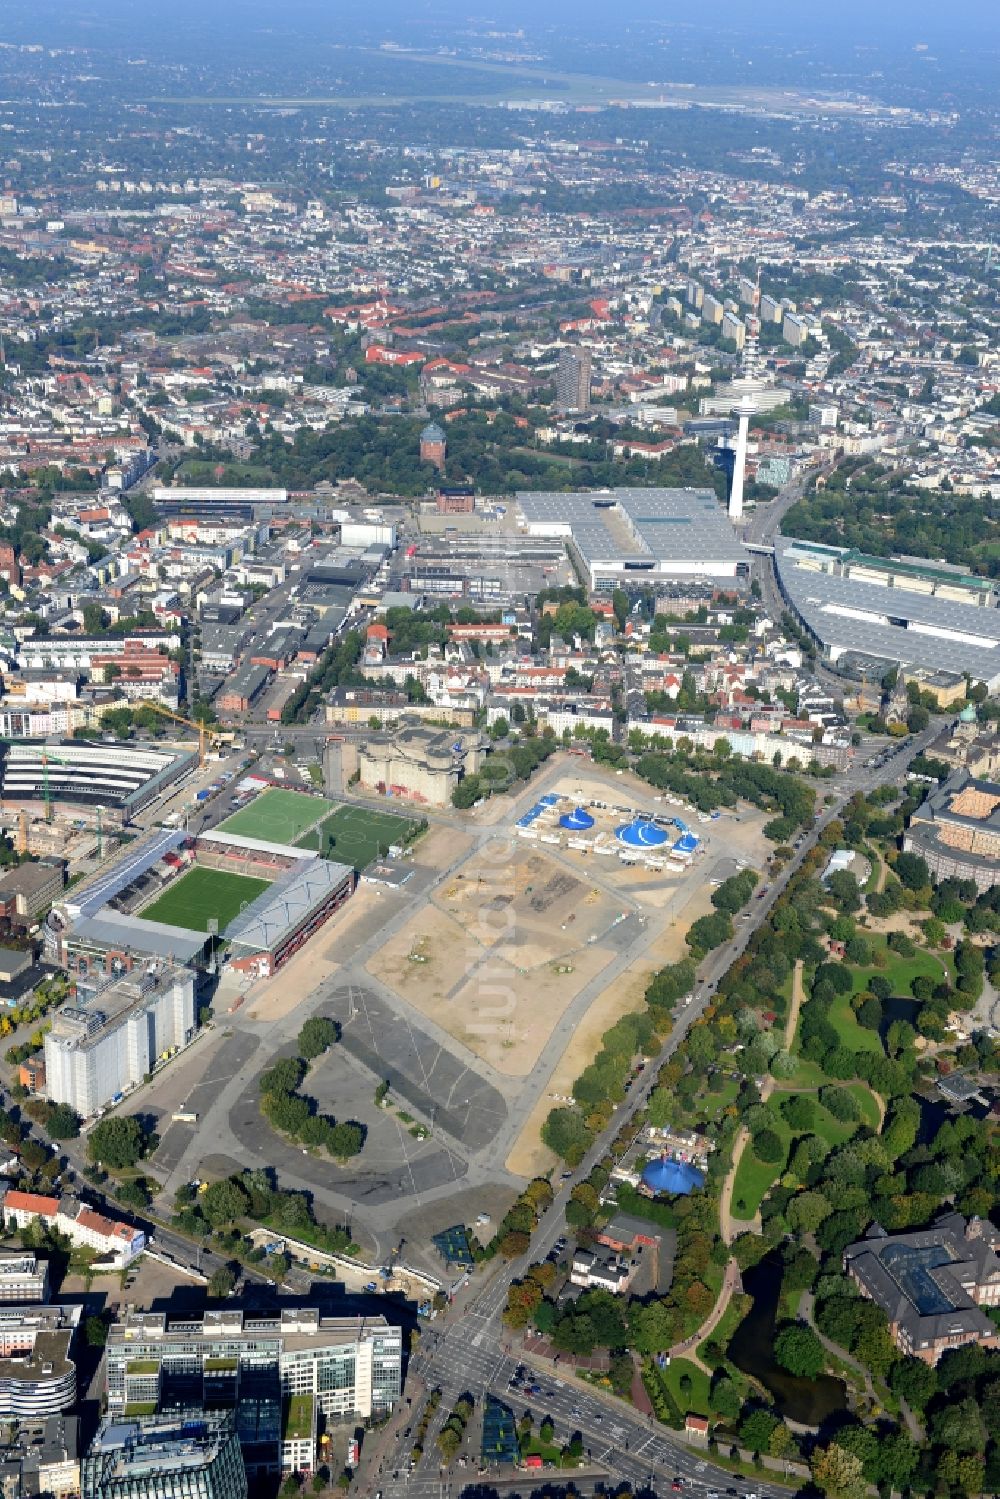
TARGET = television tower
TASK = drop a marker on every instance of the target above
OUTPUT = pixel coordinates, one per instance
(746, 406)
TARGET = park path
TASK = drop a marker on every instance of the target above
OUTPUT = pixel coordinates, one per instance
(807, 1307)
(728, 1226)
(798, 995)
(731, 1283)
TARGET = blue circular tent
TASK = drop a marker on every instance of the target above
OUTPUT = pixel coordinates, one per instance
(578, 821)
(640, 834)
(676, 1178)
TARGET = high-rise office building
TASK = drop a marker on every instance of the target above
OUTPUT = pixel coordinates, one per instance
(573, 380)
(276, 1370)
(192, 1454)
(114, 1031)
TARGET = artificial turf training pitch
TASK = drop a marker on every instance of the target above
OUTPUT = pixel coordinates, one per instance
(358, 835)
(201, 894)
(277, 816)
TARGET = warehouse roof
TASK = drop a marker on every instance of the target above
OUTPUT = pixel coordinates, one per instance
(650, 525)
(916, 629)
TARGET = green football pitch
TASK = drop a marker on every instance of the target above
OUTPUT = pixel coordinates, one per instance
(204, 893)
(277, 816)
(355, 835)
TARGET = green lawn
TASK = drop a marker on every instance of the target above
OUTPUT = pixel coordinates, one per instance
(547, 1451)
(853, 1035)
(900, 972)
(755, 1178)
(204, 893)
(355, 835)
(694, 1403)
(712, 1103)
(277, 816)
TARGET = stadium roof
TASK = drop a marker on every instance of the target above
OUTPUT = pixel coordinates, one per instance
(282, 906)
(915, 629)
(154, 939)
(124, 872)
(256, 845)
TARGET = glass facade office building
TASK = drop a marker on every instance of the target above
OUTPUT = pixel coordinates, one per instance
(186, 1455)
(255, 1364)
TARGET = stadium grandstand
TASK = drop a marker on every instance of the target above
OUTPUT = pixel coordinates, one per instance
(121, 779)
(285, 916)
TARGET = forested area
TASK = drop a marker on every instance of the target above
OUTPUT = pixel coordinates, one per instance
(872, 508)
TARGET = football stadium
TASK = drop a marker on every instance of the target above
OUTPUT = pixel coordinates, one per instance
(192, 898)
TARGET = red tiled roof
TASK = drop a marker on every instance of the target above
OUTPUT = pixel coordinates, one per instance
(31, 1202)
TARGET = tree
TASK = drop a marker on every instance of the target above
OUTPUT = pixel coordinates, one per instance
(63, 1122)
(756, 1429)
(134, 1194)
(95, 1332)
(224, 1202)
(651, 1327)
(959, 1427)
(800, 1111)
(800, 1351)
(316, 1036)
(912, 871)
(845, 890)
(725, 1398)
(345, 1139)
(807, 1211)
(222, 1282)
(838, 1473)
(117, 1142)
(565, 1132)
(283, 1076)
(767, 1146)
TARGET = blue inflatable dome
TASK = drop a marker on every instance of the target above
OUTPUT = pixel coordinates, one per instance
(639, 834)
(578, 821)
(676, 1178)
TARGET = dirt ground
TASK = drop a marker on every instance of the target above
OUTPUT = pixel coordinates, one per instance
(148, 1281)
(501, 997)
(438, 847)
(513, 894)
(529, 1156)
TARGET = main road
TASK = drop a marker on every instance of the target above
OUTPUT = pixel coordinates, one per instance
(469, 1353)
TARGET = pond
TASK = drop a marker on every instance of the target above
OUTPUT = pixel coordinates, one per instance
(933, 1113)
(808, 1401)
(897, 1007)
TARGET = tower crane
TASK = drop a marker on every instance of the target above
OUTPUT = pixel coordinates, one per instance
(200, 729)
